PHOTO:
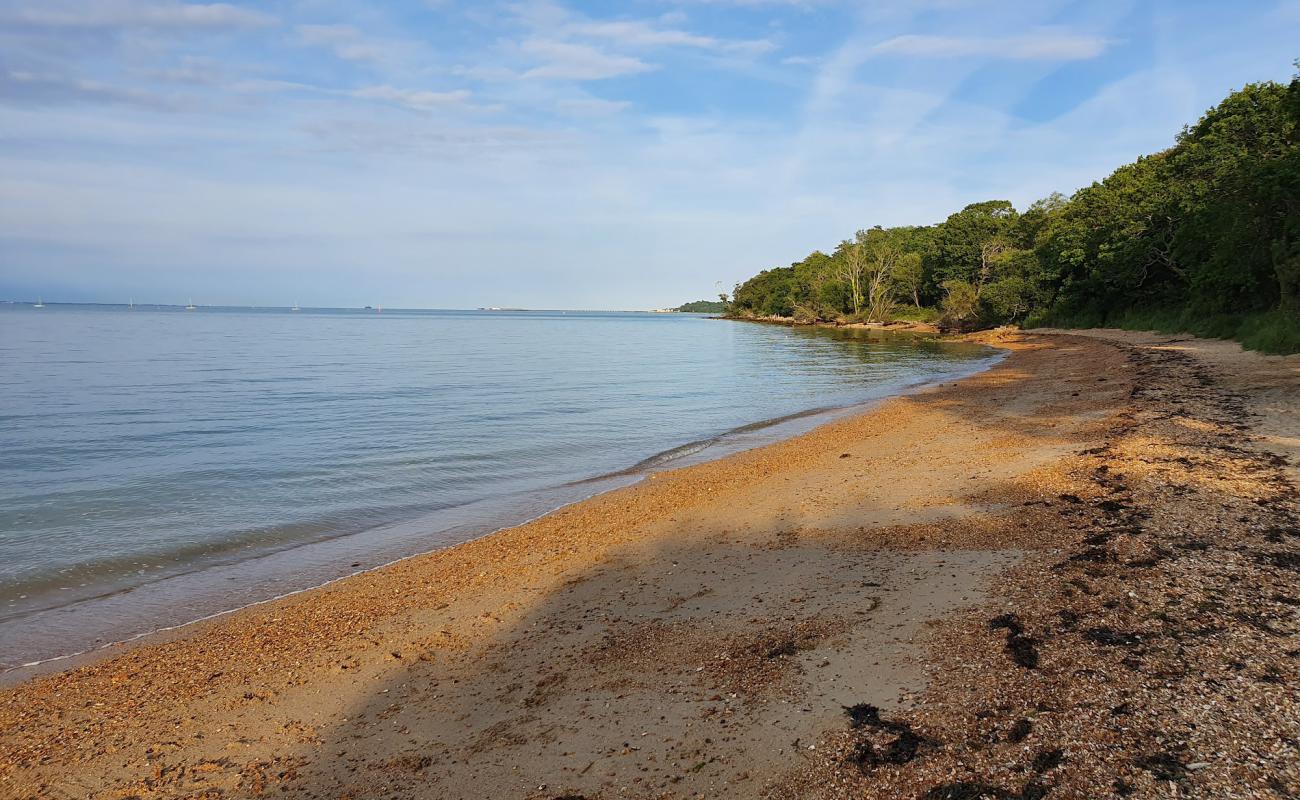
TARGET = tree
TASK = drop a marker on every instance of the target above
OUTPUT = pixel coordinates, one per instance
(885, 251)
(960, 302)
(818, 293)
(990, 253)
(909, 276)
(959, 240)
(1205, 233)
(1236, 195)
(850, 267)
(766, 294)
(1016, 288)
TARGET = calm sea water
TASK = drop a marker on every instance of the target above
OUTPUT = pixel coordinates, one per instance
(159, 465)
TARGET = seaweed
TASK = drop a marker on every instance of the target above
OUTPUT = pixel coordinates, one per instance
(902, 749)
(865, 715)
(1020, 731)
(1048, 759)
(1280, 560)
(1096, 555)
(966, 790)
(1164, 766)
(1111, 638)
(1023, 649)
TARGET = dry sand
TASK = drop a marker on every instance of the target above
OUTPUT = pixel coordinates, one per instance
(1074, 575)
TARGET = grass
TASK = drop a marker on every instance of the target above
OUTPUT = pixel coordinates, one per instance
(910, 313)
(1275, 332)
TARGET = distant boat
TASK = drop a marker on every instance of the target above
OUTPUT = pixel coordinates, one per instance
(191, 306)
(379, 310)
(130, 304)
(295, 306)
(39, 303)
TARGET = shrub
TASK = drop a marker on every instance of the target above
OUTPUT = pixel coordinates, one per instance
(960, 304)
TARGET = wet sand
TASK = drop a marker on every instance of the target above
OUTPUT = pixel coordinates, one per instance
(1074, 575)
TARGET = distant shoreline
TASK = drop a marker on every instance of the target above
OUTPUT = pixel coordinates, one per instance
(181, 305)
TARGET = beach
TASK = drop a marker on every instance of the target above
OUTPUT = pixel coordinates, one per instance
(1071, 575)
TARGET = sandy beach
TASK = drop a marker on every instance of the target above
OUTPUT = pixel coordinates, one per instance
(1074, 575)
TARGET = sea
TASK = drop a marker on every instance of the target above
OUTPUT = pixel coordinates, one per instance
(160, 465)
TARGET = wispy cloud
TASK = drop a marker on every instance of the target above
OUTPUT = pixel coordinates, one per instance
(417, 99)
(428, 138)
(154, 14)
(643, 34)
(592, 106)
(573, 61)
(1042, 45)
(20, 87)
(345, 41)
(574, 46)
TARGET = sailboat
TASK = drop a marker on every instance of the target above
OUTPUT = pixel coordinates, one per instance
(130, 304)
(39, 303)
(295, 306)
(191, 306)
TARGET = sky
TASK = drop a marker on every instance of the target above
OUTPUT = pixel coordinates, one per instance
(555, 153)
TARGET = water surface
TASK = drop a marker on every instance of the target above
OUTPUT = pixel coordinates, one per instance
(158, 465)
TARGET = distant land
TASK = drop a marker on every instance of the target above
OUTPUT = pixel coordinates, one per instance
(703, 307)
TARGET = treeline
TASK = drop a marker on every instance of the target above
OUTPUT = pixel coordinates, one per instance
(1203, 237)
(703, 307)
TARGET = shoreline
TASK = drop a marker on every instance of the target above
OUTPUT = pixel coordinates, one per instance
(724, 614)
(898, 326)
(720, 446)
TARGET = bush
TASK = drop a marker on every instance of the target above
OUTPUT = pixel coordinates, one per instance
(1270, 332)
(960, 304)
(1276, 332)
(914, 314)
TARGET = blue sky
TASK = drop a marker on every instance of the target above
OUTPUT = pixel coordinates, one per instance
(540, 153)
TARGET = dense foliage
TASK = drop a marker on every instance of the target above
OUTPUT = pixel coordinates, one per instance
(703, 307)
(1203, 237)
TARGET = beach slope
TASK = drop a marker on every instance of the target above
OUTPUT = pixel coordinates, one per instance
(1073, 575)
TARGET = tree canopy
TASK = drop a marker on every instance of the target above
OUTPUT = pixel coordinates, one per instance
(1204, 236)
(703, 307)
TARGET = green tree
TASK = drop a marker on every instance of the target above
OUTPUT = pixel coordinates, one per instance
(960, 303)
(1204, 235)
(769, 293)
(908, 277)
(960, 240)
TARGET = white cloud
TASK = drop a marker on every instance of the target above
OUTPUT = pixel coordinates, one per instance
(21, 87)
(638, 33)
(641, 34)
(571, 61)
(135, 14)
(758, 3)
(1042, 45)
(344, 41)
(483, 72)
(267, 85)
(592, 106)
(420, 100)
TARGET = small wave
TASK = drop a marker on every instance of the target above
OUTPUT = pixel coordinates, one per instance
(681, 451)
